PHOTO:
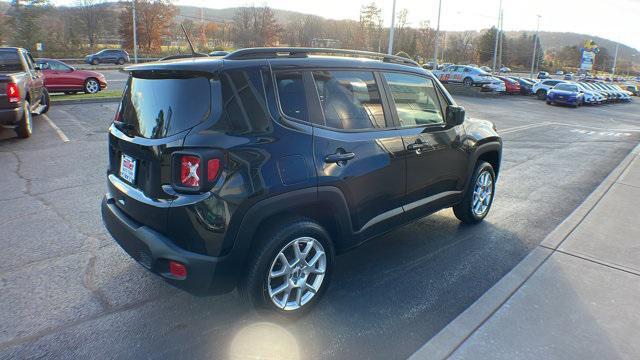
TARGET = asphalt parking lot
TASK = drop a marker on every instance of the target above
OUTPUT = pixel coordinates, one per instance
(69, 291)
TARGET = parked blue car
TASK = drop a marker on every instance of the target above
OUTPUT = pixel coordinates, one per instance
(567, 94)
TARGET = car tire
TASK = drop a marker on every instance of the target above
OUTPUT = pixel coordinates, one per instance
(95, 62)
(25, 127)
(549, 102)
(120, 61)
(45, 101)
(541, 94)
(474, 207)
(467, 81)
(264, 291)
(91, 86)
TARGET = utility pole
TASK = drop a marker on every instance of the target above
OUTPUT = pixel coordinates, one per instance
(435, 40)
(535, 48)
(495, 46)
(501, 41)
(392, 29)
(135, 34)
(615, 62)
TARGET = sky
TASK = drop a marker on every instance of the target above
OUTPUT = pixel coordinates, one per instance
(616, 20)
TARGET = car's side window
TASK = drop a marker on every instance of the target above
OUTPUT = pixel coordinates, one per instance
(291, 94)
(350, 100)
(416, 99)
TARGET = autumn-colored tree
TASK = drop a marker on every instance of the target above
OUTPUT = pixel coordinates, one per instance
(154, 21)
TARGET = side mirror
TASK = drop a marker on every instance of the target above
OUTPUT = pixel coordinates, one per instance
(38, 67)
(455, 115)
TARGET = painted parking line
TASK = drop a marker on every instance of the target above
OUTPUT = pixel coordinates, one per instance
(523, 127)
(55, 127)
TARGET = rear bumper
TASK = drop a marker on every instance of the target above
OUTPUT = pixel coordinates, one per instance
(205, 274)
(10, 117)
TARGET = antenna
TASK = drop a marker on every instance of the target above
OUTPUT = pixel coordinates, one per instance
(193, 51)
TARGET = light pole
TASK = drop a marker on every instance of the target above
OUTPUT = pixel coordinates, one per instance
(435, 40)
(393, 27)
(135, 34)
(495, 46)
(615, 62)
(535, 48)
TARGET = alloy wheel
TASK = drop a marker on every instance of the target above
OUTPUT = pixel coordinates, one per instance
(296, 273)
(92, 86)
(482, 194)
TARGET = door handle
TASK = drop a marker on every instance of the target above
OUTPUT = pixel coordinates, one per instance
(339, 158)
(417, 146)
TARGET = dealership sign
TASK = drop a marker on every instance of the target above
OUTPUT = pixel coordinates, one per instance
(589, 52)
(587, 60)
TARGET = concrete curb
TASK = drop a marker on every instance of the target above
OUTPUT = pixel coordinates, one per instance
(84, 101)
(447, 341)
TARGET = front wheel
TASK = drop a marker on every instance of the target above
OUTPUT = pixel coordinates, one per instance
(91, 86)
(95, 62)
(541, 94)
(479, 196)
(290, 270)
(467, 81)
(45, 101)
(25, 127)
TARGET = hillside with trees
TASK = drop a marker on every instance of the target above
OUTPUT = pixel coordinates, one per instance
(73, 31)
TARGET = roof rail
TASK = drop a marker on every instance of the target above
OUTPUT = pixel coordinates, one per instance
(301, 52)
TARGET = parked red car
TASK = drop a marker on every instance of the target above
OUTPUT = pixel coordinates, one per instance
(512, 86)
(60, 77)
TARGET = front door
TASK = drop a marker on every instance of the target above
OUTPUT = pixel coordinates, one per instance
(436, 160)
(357, 148)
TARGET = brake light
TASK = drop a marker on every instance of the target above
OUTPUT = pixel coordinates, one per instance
(13, 93)
(190, 171)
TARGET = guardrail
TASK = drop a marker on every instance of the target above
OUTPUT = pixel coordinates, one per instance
(81, 60)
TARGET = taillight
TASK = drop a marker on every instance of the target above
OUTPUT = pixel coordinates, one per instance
(196, 171)
(190, 171)
(13, 93)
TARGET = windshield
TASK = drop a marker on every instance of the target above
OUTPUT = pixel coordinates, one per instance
(566, 87)
(10, 61)
(158, 107)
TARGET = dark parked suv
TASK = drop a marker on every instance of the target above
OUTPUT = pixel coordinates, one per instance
(113, 56)
(255, 169)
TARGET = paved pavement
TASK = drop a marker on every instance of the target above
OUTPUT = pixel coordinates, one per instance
(68, 291)
(576, 296)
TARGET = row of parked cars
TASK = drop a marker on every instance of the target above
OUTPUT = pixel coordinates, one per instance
(580, 93)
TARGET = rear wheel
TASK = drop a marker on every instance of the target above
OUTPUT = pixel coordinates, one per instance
(25, 127)
(290, 270)
(479, 196)
(120, 61)
(91, 86)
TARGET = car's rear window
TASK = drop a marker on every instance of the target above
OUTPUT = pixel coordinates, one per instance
(10, 61)
(159, 107)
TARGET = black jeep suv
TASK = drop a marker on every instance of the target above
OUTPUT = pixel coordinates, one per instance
(253, 170)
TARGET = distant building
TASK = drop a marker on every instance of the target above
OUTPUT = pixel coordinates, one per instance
(325, 43)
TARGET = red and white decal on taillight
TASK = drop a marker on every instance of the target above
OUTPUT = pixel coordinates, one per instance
(190, 171)
(13, 93)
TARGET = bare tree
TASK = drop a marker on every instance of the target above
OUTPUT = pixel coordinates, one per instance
(89, 16)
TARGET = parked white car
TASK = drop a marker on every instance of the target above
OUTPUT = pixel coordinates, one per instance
(468, 75)
(542, 88)
(505, 69)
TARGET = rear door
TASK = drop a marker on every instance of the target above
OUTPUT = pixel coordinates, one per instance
(157, 111)
(436, 161)
(357, 148)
